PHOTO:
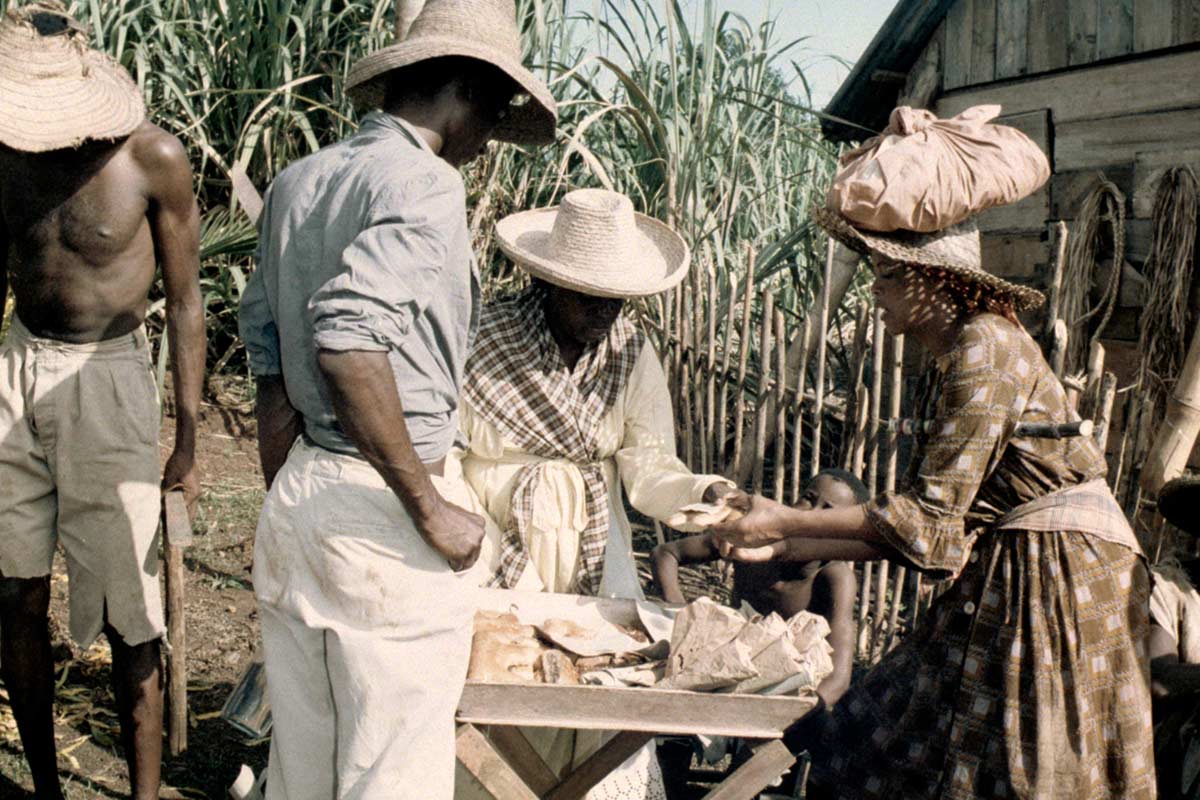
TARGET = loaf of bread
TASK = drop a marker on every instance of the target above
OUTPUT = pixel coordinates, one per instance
(554, 666)
(503, 650)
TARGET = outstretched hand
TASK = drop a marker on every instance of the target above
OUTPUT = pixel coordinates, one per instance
(760, 524)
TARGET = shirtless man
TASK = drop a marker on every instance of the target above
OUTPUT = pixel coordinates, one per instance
(91, 198)
(825, 588)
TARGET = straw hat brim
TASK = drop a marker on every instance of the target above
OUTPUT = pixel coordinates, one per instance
(662, 257)
(37, 116)
(1179, 503)
(893, 247)
(532, 122)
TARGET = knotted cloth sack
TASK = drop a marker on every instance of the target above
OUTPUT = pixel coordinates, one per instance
(924, 174)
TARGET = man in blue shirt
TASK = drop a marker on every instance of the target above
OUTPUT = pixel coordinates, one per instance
(357, 324)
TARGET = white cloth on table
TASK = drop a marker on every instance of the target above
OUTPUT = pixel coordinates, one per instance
(366, 635)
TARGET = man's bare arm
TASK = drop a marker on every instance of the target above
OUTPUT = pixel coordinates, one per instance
(279, 423)
(1170, 677)
(839, 583)
(362, 387)
(668, 556)
(175, 224)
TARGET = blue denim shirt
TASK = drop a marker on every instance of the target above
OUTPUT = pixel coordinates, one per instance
(365, 246)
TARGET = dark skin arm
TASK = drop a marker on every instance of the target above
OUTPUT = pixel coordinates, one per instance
(772, 530)
(279, 423)
(1170, 677)
(174, 221)
(362, 387)
(837, 580)
(698, 549)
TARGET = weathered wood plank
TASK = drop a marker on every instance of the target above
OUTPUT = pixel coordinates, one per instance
(498, 778)
(1030, 214)
(1068, 189)
(1015, 255)
(1081, 31)
(1114, 29)
(525, 761)
(768, 763)
(1148, 170)
(958, 45)
(612, 755)
(983, 42)
(1095, 143)
(1187, 22)
(1012, 38)
(1155, 83)
(1047, 38)
(1153, 24)
(925, 79)
(619, 709)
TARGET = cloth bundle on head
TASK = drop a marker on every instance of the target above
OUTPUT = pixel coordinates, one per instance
(56, 92)
(910, 195)
(923, 174)
(485, 30)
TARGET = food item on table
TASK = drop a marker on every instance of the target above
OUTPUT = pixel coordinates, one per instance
(606, 661)
(554, 666)
(502, 649)
(499, 661)
(702, 515)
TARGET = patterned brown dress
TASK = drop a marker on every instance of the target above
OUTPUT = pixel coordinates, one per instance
(1029, 676)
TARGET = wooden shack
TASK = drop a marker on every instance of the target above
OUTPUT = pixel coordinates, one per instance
(1106, 87)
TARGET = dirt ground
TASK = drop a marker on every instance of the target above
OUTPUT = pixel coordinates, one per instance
(222, 630)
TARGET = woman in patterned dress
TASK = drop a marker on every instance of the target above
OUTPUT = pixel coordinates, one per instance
(1028, 678)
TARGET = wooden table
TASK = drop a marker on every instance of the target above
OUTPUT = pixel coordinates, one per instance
(493, 749)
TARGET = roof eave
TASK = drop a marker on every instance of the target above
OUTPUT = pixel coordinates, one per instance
(862, 104)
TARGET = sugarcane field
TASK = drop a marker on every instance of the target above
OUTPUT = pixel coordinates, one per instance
(605, 399)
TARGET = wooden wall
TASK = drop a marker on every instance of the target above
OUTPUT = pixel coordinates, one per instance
(990, 40)
(1128, 121)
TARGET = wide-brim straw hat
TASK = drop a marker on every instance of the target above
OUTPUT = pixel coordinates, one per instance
(481, 29)
(1179, 503)
(596, 244)
(954, 249)
(55, 91)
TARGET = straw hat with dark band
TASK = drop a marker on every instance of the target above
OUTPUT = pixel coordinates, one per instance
(595, 244)
(55, 92)
(482, 29)
(954, 249)
(1179, 503)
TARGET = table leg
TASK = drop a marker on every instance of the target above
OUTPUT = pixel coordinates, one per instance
(770, 760)
(613, 754)
(525, 761)
(493, 772)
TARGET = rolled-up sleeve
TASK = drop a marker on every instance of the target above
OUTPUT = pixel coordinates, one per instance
(390, 269)
(975, 416)
(256, 322)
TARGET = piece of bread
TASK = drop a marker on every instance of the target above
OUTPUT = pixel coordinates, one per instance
(554, 666)
(503, 650)
(703, 515)
(501, 659)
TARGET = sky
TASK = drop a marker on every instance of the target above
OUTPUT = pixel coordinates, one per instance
(836, 29)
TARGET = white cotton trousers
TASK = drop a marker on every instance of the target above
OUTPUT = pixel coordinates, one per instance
(366, 635)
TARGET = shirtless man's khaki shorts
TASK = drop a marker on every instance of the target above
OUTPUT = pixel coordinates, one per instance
(79, 465)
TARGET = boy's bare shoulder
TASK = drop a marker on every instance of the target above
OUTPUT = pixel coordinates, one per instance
(157, 151)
